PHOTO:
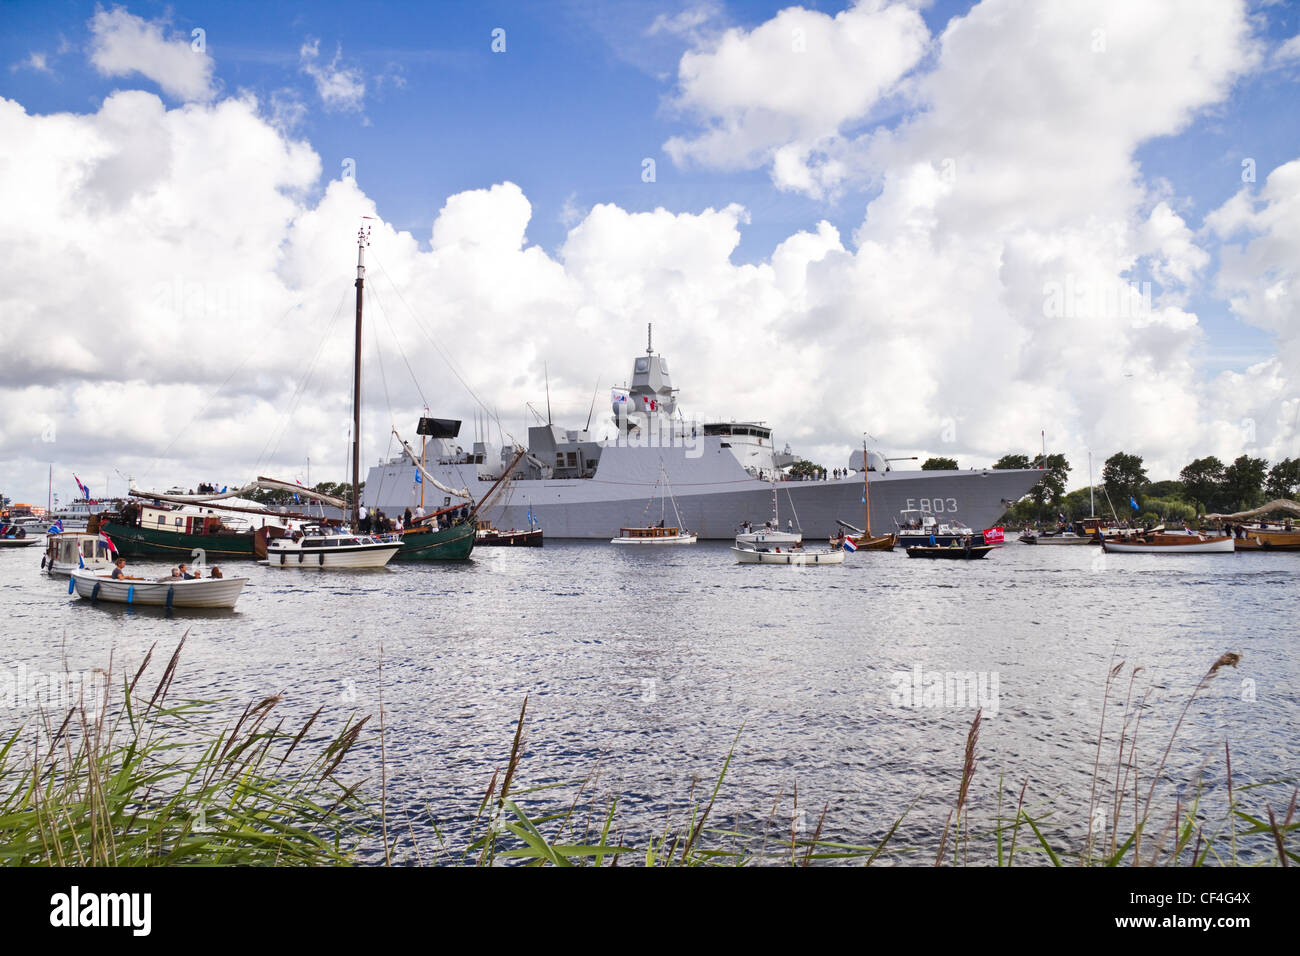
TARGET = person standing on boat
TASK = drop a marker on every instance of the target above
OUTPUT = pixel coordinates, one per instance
(406, 518)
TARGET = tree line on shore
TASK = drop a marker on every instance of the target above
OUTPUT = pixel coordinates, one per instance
(1204, 486)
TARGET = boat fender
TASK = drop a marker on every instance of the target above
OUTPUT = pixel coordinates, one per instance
(300, 556)
(130, 594)
(171, 596)
(72, 583)
(321, 559)
(94, 592)
(42, 562)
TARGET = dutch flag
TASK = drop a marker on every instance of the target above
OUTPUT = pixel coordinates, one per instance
(849, 546)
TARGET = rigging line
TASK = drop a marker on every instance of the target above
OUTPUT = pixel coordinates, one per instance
(383, 375)
(296, 398)
(379, 304)
(211, 398)
(432, 341)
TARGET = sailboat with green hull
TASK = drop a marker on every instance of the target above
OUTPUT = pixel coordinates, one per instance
(446, 535)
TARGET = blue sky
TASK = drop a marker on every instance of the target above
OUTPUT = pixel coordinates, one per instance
(570, 110)
(583, 94)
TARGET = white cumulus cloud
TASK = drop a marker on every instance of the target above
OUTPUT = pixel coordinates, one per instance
(123, 44)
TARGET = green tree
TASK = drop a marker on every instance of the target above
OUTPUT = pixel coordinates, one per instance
(1167, 489)
(1012, 461)
(939, 464)
(1243, 483)
(805, 469)
(1124, 478)
(1050, 489)
(1283, 479)
(1203, 481)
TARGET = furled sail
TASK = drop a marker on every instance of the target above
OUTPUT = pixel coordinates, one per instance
(1278, 504)
(266, 484)
(415, 460)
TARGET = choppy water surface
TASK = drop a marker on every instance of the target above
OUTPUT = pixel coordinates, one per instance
(645, 664)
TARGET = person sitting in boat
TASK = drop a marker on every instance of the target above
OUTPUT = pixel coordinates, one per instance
(183, 572)
(215, 572)
(119, 568)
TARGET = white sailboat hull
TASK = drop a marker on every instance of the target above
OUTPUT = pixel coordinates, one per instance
(770, 539)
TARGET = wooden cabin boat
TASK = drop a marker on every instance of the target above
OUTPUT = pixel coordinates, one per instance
(73, 551)
(653, 536)
(489, 536)
(1164, 543)
(167, 592)
(1266, 538)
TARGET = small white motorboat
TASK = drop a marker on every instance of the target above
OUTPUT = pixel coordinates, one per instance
(1169, 544)
(781, 555)
(16, 542)
(74, 551)
(167, 592)
(316, 549)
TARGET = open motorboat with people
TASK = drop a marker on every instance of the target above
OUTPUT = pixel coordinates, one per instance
(210, 592)
(318, 547)
(798, 555)
(1139, 542)
(70, 551)
(951, 552)
(11, 537)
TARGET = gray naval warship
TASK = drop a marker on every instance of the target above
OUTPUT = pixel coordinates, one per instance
(720, 474)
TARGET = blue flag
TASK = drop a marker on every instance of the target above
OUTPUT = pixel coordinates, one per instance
(1133, 501)
(419, 478)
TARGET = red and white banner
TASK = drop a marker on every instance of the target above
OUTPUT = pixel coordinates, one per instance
(993, 536)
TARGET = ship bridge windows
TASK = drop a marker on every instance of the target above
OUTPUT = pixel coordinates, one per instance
(739, 431)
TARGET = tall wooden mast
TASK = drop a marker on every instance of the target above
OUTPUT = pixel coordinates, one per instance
(866, 488)
(363, 239)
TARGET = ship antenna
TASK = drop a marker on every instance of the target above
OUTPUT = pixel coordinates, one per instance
(547, 374)
(649, 349)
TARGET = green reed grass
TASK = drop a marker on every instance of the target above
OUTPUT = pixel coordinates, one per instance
(517, 829)
(135, 778)
(125, 780)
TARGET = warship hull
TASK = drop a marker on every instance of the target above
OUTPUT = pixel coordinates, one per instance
(714, 495)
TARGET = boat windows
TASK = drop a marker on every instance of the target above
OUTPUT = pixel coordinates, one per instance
(307, 543)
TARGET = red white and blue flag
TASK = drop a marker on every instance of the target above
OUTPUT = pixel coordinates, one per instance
(108, 542)
(85, 492)
(849, 546)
